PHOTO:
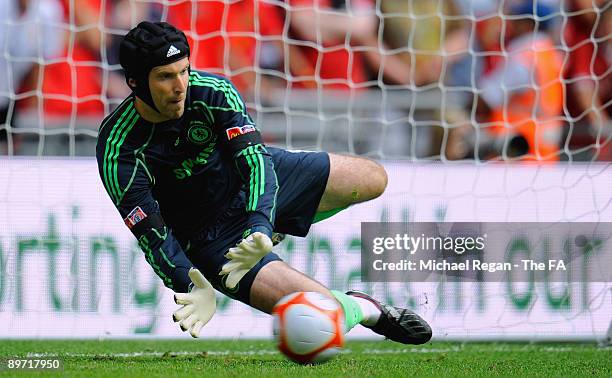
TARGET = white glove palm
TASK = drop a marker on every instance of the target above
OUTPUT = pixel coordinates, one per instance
(199, 304)
(244, 256)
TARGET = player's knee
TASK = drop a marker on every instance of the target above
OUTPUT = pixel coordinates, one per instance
(378, 179)
(353, 180)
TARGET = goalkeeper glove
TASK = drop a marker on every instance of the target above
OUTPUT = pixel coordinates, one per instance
(199, 304)
(244, 256)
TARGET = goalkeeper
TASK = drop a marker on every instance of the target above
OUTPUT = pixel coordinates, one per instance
(185, 166)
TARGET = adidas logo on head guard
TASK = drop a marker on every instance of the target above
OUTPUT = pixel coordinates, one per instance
(145, 47)
(172, 51)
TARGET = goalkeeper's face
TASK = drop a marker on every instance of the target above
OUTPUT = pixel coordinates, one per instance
(168, 85)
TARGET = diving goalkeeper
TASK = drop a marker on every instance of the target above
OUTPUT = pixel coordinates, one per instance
(185, 165)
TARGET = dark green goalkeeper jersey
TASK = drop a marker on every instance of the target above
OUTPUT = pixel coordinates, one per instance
(169, 180)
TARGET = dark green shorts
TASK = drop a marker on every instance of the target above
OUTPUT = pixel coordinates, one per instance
(302, 177)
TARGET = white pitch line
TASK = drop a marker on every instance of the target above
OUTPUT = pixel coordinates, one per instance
(528, 349)
(158, 354)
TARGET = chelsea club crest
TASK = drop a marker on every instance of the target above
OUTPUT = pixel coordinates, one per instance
(199, 133)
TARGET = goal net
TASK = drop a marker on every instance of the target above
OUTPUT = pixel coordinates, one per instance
(481, 111)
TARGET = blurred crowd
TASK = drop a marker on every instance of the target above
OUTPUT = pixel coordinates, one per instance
(536, 74)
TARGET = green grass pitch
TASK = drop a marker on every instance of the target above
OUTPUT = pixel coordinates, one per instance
(247, 358)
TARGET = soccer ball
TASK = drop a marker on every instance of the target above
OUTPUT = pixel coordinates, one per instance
(308, 327)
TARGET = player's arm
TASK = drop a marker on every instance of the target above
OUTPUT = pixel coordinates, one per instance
(242, 141)
(256, 169)
(127, 182)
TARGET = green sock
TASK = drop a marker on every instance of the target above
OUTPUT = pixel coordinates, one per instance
(327, 214)
(352, 311)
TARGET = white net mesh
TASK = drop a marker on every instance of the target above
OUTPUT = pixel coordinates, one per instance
(408, 80)
(393, 79)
